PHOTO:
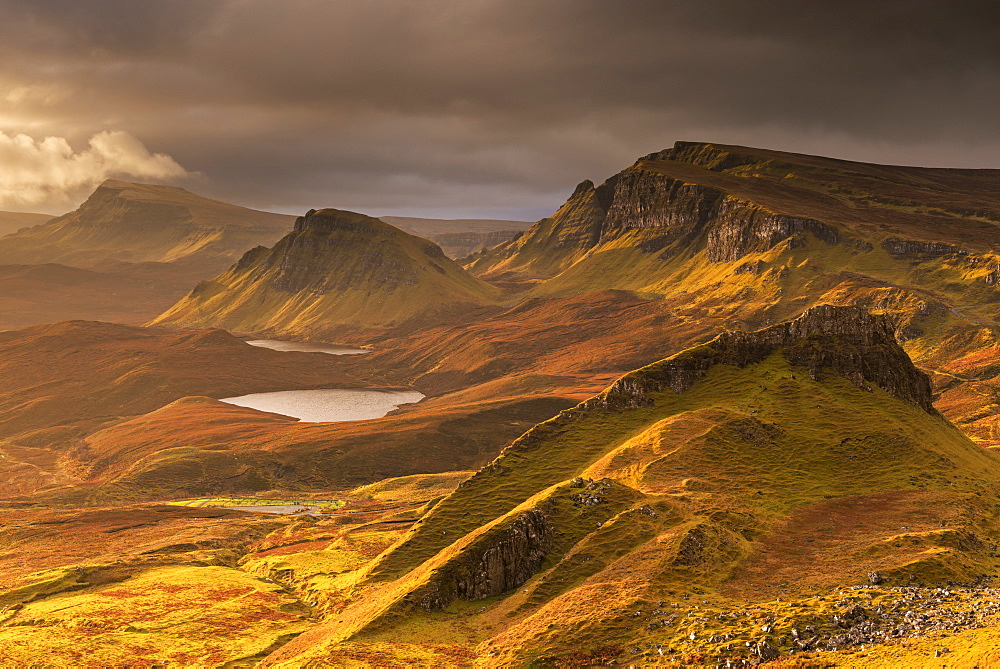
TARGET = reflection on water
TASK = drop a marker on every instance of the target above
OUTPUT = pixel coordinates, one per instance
(305, 347)
(327, 406)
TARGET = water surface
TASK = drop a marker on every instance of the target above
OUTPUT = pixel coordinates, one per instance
(328, 405)
(306, 347)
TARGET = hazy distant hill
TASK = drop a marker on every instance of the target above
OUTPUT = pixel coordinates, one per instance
(138, 223)
(126, 254)
(460, 237)
(12, 221)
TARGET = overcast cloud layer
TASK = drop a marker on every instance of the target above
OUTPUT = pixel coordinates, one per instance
(463, 108)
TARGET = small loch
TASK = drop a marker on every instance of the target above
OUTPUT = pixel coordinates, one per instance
(306, 347)
(328, 405)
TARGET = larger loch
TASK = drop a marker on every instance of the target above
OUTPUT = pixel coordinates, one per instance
(325, 405)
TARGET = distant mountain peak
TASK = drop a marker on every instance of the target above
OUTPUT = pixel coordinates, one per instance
(337, 273)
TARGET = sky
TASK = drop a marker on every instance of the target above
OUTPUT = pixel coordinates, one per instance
(472, 108)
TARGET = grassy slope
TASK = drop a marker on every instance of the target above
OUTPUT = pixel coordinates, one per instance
(734, 456)
(146, 585)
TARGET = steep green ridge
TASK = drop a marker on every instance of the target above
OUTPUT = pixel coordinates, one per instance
(674, 480)
(136, 223)
(337, 273)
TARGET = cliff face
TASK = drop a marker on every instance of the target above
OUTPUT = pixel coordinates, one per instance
(665, 210)
(497, 563)
(337, 273)
(334, 250)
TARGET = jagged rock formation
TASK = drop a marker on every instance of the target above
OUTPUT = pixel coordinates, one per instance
(907, 247)
(336, 274)
(135, 223)
(496, 564)
(847, 341)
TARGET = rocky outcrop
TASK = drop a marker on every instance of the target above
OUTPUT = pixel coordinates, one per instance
(740, 227)
(332, 251)
(846, 341)
(909, 247)
(337, 220)
(671, 212)
(502, 560)
(649, 200)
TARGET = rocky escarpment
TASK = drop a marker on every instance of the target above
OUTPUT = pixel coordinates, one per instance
(666, 211)
(728, 227)
(846, 341)
(500, 561)
(741, 227)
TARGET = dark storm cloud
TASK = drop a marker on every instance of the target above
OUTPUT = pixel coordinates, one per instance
(490, 107)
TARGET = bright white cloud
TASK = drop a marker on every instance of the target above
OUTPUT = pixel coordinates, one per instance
(49, 175)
